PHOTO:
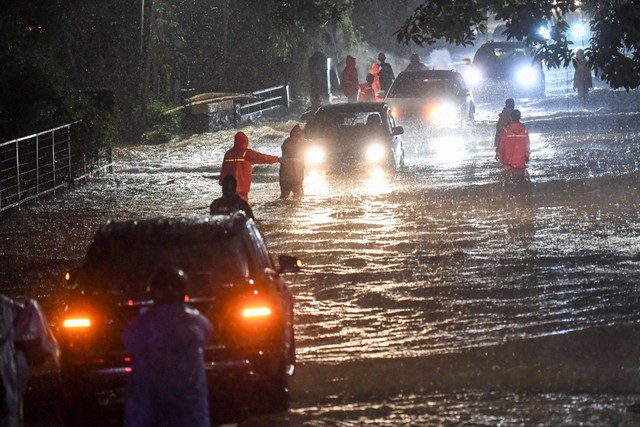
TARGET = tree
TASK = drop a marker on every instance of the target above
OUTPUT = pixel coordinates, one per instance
(613, 52)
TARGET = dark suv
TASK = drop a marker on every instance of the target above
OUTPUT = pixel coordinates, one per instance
(504, 69)
(232, 281)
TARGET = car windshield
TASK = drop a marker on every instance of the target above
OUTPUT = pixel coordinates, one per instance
(124, 268)
(343, 125)
(503, 53)
(418, 85)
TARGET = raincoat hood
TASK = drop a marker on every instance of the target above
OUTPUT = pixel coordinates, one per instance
(296, 132)
(351, 61)
(517, 128)
(240, 141)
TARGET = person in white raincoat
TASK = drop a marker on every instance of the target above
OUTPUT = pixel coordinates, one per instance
(25, 340)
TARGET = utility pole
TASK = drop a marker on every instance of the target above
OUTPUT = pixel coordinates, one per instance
(142, 28)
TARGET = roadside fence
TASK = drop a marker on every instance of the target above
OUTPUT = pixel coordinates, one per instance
(39, 164)
(273, 97)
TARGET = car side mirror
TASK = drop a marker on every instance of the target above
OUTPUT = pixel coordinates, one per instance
(289, 264)
(398, 130)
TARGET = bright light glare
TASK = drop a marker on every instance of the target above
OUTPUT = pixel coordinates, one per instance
(76, 323)
(526, 76)
(375, 153)
(256, 312)
(377, 182)
(578, 30)
(448, 149)
(473, 76)
(315, 155)
(445, 113)
(544, 32)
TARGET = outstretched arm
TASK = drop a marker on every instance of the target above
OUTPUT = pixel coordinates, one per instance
(255, 157)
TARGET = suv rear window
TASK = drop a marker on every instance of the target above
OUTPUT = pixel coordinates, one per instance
(124, 267)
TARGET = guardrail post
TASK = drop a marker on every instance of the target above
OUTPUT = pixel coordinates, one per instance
(69, 154)
(53, 160)
(18, 172)
(288, 96)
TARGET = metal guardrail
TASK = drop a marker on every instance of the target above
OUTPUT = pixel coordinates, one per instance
(38, 164)
(272, 97)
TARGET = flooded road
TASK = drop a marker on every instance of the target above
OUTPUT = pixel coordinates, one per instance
(444, 296)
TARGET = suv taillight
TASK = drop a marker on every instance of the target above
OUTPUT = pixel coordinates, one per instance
(76, 323)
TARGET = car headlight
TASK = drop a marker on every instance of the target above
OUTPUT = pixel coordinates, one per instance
(375, 153)
(526, 76)
(314, 155)
(445, 113)
(473, 76)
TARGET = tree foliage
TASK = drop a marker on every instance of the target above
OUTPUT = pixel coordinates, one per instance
(147, 50)
(613, 51)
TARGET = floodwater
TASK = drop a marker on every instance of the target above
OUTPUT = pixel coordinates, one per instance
(445, 296)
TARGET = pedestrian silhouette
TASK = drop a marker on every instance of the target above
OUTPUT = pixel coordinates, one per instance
(229, 202)
(504, 118)
(292, 164)
(168, 385)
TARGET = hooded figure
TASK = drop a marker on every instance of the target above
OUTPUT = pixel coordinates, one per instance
(238, 162)
(349, 78)
(385, 74)
(168, 384)
(366, 90)
(513, 150)
(504, 118)
(230, 202)
(582, 81)
(292, 164)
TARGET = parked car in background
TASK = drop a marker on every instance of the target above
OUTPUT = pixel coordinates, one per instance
(505, 69)
(360, 138)
(439, 97)
(231, 280)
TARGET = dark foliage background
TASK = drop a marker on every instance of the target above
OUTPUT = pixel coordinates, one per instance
(145, 51)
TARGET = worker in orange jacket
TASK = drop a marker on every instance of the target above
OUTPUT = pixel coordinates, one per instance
(238, 162)
(513, 150)
(367, 94)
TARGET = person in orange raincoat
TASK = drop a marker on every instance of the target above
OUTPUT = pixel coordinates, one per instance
(375, 70)
(238, 162)
(366, 90)
(350, 82)
(513, 150)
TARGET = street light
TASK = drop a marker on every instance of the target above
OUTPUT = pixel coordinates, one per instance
(578, 31)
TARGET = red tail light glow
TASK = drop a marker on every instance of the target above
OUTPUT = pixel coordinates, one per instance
(256, 312)
(81, 322)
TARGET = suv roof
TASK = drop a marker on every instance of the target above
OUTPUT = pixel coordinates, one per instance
(197, 228)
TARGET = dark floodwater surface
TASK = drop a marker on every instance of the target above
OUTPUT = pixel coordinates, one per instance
(445, 296)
